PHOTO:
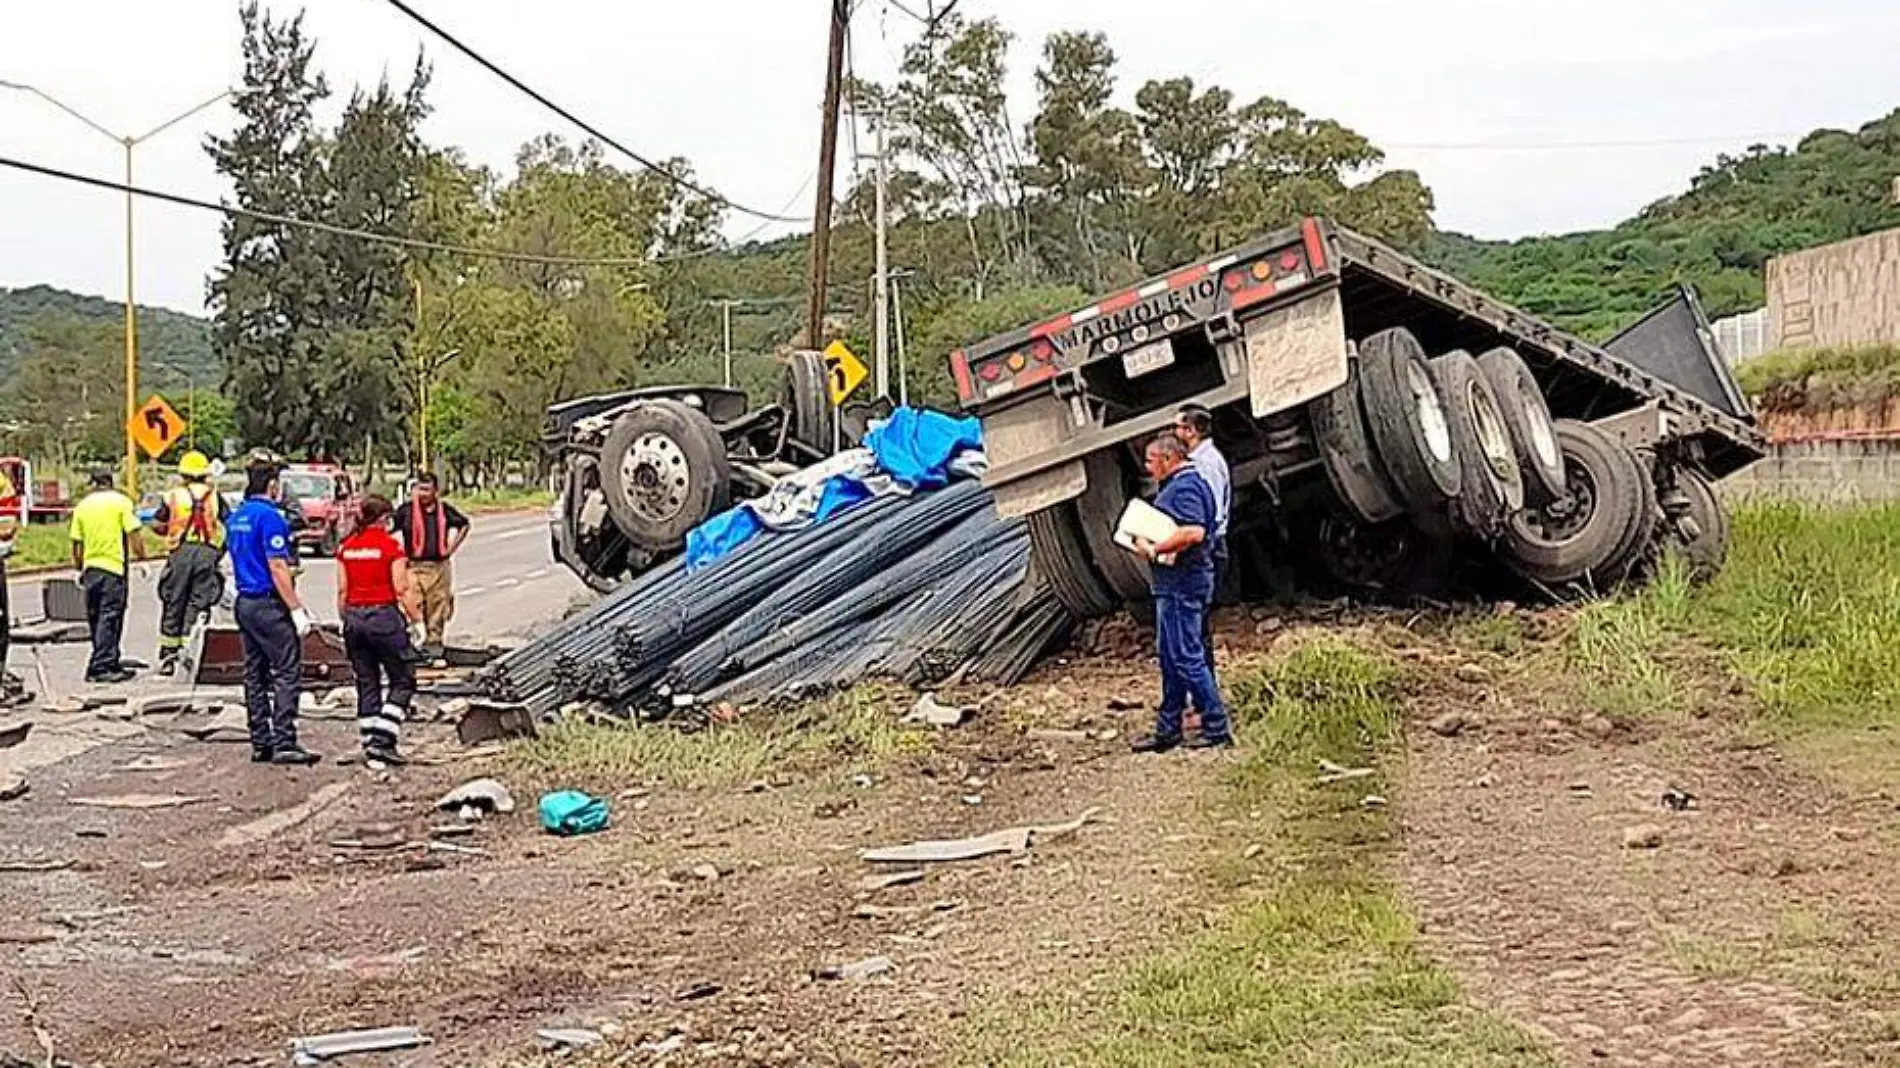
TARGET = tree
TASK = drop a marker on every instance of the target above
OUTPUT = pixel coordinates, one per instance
(270, 295)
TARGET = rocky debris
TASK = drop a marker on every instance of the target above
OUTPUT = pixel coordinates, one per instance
(569, 1037)
(1011, 840)
(857, 970)
(1676, 799)
(932, 713)
(138, 802)
(15, 734)
(378, 836)
(873, 883)
(316, 1049)
(28, 934)
(1643, 836)
(479, 797)
(477, 722)
(698, 992)
(1596, 727)
(1473, 674)
(13, 786)
(1449, 725)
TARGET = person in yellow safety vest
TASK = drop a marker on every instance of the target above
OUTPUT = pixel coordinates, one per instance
(191, 516)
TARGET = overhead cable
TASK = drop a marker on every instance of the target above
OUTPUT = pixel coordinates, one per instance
(592, 131)
(417, 244)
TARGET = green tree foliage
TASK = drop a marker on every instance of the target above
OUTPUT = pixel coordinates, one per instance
(1718, 236)
(169, 341)
(65, 400)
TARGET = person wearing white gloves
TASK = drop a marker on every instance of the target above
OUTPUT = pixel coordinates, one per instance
(272, 621)
(382, 628)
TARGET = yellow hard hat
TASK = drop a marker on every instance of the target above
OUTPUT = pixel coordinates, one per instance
(194, 465)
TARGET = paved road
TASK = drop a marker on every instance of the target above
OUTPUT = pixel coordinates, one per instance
(506, 582)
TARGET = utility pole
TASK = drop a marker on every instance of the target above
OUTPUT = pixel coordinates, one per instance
(726, 307)
(827, 162)
(897, 317)
(882, 303)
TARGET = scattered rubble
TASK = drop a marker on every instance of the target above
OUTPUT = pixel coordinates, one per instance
(857, 970)
(930, 712)
(1676, 799)
(16, 734)
(1011, 840)
(488, 721)
(139, 802)
(13, 786)
(569, 1037)
(319, 1048)
(1449, 725)
(1643, 836)
(480, 796)
(874, 883)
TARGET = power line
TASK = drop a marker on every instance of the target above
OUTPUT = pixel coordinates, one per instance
(417, 244)
(1562, 146)
(678, 180)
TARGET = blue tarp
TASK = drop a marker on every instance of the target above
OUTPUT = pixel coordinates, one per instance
(915, 447)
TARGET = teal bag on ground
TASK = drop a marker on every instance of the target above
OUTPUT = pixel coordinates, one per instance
(570, 812)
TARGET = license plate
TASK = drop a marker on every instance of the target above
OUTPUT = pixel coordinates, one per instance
(1148, 358)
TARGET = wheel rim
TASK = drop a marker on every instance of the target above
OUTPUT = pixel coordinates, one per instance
(1431, 413)
(1561, 521)
(655, 473)
(1494, 441)
(1543, 435)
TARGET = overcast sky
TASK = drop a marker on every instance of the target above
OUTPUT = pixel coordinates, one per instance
(1472, 93)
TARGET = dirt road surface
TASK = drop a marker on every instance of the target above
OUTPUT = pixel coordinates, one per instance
(1751, 927)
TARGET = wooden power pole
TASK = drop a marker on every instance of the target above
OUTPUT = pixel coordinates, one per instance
(827, 163)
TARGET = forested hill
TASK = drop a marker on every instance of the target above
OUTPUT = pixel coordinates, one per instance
(167, 339)
(1736, 215)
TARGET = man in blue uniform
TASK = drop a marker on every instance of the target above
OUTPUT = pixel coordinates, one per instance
(1195, 427)
(271, 619)
(1183, 570)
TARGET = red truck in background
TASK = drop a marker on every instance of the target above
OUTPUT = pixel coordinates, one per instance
(329, 500)
(26, 501)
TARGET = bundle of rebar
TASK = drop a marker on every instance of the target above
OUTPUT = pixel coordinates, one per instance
(922, 589)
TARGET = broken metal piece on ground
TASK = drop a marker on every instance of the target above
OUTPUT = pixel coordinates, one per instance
(874, 883)
(325, 664)
(139, 802)
(857, 970)
(1676, 799)
(1011, 840)
(13, 787)
(698, 992)
(34, 867)
(482, 795)
(569, 1037)
(14, 735)
(488, 721)
(932, 713)
(319, 1048)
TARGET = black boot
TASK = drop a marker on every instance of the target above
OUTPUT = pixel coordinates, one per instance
(294, 755)
(1155, 743)
(261, 754)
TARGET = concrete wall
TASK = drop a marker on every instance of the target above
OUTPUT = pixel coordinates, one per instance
(1841, 294)
(1822, 472)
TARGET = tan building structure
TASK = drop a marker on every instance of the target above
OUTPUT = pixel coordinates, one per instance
(1842, 294)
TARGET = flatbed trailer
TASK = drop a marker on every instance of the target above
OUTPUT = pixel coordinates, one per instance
(1372, 408)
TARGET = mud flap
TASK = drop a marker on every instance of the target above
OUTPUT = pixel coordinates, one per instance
(1020, 432)
(1296, 354)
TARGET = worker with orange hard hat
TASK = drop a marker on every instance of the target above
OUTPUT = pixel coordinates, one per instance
(192, 519)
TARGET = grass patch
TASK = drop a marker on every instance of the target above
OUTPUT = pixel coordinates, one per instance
(506, 500)
(1319, 964)
(852, 732)
(1806, 614)
(41, 545)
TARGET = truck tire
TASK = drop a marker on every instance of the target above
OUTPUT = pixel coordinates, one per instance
(1099, 509)
(663, 470)
(1527, 417)
(1492, 485)
(807, 404)
(1352, 467)
(1406, 416)
(1584, 536)
(1394, 560)
(1060, 554)
(1703, 540)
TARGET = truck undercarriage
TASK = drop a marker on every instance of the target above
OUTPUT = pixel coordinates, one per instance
(1386, 426)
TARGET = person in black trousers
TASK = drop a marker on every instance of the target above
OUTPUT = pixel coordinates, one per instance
(382, 628)
(271, 619)
(105, 537)
(12, 691)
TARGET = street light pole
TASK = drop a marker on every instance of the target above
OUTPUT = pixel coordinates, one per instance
(128, 143)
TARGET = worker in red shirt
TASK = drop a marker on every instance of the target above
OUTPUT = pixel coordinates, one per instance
(382, 628)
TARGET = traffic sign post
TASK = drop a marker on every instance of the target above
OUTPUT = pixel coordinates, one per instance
(844, 372)
(156, 427)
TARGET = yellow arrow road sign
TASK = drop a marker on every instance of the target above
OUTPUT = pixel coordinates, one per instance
(844, 372)
(156, 427)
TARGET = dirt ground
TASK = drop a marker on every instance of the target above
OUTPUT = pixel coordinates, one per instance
(1756, 931)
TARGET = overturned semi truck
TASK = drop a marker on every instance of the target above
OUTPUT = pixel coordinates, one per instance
(1385, 423)
(639, 469)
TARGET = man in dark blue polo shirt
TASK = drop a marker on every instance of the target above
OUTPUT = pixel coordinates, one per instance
(271, 619)
(1183, 570)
